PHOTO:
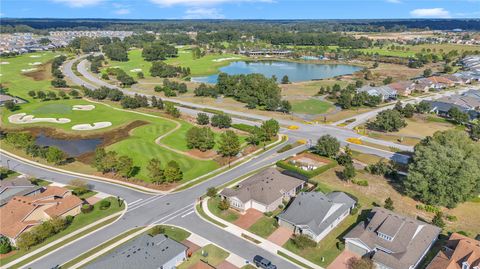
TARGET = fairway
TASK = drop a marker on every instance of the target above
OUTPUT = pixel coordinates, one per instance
(140, 146)
(414, 49)
(311, 106)
(135, 61)
(17, 82)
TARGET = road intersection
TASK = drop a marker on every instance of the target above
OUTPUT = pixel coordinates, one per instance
(177, 208)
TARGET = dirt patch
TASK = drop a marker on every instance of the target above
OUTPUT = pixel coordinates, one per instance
(202, 154)
(41, 73)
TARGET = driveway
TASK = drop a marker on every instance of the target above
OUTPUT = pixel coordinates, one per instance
(248, 219)
(341, 261)
(280, 236)
(226, 265)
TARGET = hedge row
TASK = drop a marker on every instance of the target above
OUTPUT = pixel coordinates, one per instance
(243, 127)
(308, 174)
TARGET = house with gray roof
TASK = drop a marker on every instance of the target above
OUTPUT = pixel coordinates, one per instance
(391, 240)
(468, 102)
(264, 191)
(144, 252)
(315, 214)
(385, 92)
(18, 186)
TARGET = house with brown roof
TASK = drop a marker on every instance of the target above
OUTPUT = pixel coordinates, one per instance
(391, 240)
(264, 191)
(459, 252)
(423, 85)
(440, 82)
(24, 212)
(403, 88)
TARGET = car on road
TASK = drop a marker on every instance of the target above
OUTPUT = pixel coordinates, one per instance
(261, 262)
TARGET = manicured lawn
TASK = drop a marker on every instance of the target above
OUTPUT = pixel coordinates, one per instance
(327, 247)
(135, 61)
(264, 227)
(140, 145)
(175, 233)
(80, 221)
(311, 106)
(228, 215)
(17, 82)
(203, 66)
(213, 255)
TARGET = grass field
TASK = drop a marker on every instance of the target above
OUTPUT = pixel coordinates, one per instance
(202, 66)
(213, 255)
(17, 82)
(198, 67)
(413, 49)
(311, 106)
(140, 145)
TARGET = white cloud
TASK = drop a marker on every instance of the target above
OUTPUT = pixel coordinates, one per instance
(203, 13)
(79, 3)
(202, 2)
(430, 13)
(394, 1)
(122, 11)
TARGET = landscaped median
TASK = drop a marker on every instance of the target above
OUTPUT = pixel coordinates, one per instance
(81, 225)
(253, 238)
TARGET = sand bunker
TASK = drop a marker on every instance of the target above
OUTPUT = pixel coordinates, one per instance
(35, 63)
(225, 59)
(35, 56)
(136, 70)
(94, 126)
(28, 70)
(83, 107)
(4, 63)
(23, 118)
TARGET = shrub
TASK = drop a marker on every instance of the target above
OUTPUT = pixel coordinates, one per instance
(86, 208)
(281, 206)
(104, 204)
(211, 192)
(340, 245)
(69, 219)
(5, 245)
(360, 182)
(354, 211)
(268, 214)
(451, 218)
(157, 230)
(224, 205)
(243, 127)
(302, 241)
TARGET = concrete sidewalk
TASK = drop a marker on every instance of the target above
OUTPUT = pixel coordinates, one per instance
(264, 243)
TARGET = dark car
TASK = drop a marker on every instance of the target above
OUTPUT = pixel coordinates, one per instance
(261, 262)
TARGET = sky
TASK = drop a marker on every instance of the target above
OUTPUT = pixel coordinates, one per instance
(240, 9)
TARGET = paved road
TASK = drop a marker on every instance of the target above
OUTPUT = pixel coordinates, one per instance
(175, 208)
(155, 209)
(305, 131)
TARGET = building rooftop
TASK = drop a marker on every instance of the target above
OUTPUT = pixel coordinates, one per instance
(264, 187)
(144, 252)
(457, 250)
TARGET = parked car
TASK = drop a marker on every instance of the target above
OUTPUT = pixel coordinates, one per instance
(261, 262)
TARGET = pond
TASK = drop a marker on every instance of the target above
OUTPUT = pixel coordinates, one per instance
(295, 71)
(73, 147)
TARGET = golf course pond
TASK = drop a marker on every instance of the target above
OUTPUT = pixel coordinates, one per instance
(296, 72)
(73, 147)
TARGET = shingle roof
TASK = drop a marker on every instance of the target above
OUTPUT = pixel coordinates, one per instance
(458, 249)
(15, 187)
(264, 187)
(411, 238)
(316, 210)
(144, 252)
(54, 200)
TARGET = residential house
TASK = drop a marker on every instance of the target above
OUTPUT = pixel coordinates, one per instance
(468, 102)
(391, 240)
(467, 77)
(459, 252)
(385, 92)
(403, 88)
(315, 214)
(423, 85)
(144, 252)
(18, 186)
(264, 191)
(440, 82)
(455, 79)
(24, 212)
(5, 97)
